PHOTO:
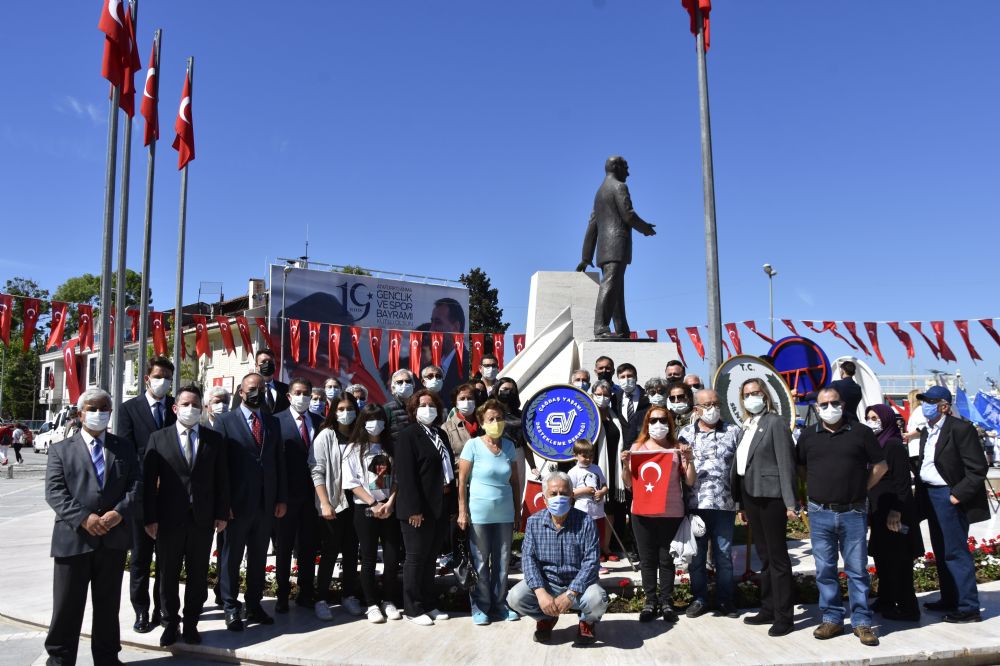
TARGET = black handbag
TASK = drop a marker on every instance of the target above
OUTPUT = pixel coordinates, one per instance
(465, 572)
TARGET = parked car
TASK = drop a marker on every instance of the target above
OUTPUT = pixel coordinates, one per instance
(53, 431)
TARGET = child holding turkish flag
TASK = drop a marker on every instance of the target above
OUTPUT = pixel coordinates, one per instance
(660, 466)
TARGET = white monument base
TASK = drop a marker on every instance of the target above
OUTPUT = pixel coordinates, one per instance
(649, 358)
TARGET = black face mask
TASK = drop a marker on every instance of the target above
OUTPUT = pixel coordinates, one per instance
(480, 396)
(252, 398)
(606, 375)
(506, 397)
(267, 368)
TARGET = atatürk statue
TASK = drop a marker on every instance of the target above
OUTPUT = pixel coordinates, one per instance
(610, 232)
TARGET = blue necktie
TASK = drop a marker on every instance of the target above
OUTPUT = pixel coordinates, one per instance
(158, 414)
(97, 456)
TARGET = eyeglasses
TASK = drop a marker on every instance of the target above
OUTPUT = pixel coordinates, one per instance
(697, 387)
(831, 403)
(660, 419)
(656, 391)
(433, 375)
(404, 382)
(677, 398)
(490, 365)
(708, 405)
(759, 394)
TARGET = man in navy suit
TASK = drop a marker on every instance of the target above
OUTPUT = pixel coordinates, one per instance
(139, 418)
(258, 491)
(91, 482)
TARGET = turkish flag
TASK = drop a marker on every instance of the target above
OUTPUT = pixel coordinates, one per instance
(725, 346)
(946, 353)
(459, 341)
(987, 324)
(375, 343)
(498, 348)
(852, 328)
(133, 315)
(184, 127)
(333, 347)
(201, 346)
(31, 307)
(790, 325)
(261, 323)
(695, 336)
(519, 342)
(243, 326)
(111, 330)
(734, 335)
(752, 325)
(356, 343)
(85, 332)
(534, 499)
(69, 364)
(395, 342)
(6, 315)
(672, 334)
(706, 7)
(294, 338)
(116, 41)
(917, 326)
(872, 328)
(130, 65)
(902, 411)
(832, 327)
(478, 340)
(633, 335)
(437, 341)
(150, 102)
(184, 347)
(652, 334)
(416, 347)
(903, 336)
(58, 324)
(651, 471)
(313, 348)
(963, 329)
(159, 333)
(226, 333)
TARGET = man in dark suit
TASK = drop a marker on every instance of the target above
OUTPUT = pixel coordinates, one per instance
(139, 418)
(185, 499)
(297, 529)
(91, 482)
(258, 491)
(274, 394)
(610, 233)
(630, 403)
(951, 494)
(846, 387)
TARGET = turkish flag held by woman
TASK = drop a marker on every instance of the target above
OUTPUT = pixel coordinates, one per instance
(651, 472)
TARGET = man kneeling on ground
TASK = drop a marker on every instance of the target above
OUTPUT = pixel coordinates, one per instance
(560, 561)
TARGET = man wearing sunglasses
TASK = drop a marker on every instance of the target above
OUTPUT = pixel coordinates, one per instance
(840, 460)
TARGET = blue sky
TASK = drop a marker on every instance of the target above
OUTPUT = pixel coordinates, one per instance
(855, 149)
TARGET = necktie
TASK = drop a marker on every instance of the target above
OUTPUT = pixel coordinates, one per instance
(97, 456)
(268, 398)
(158, 414)
(449, 473)
(303, 430)
(257, 429)
(630, 408)
(187, 447)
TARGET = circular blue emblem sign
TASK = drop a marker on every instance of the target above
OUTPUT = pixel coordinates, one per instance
(557, 416)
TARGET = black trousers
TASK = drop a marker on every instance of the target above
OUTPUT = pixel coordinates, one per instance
(188, 546)
(140, 559)
(894, 565)
(102, 571)
(611, 298)
(297, 532)
(652, 540)
(249, 534)
(371, 531)
(422, 547)
(337, 537)
(17, 453)
(767, 519)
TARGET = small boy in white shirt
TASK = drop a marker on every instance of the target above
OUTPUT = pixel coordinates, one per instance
(590, 486)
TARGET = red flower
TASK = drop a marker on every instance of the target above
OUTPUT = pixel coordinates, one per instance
(215, 553)
(269, 568)
(871, 570)
(986, 549)
(972, 548)
(679, 572)
(842, 575)
(317, 560)
(623, 582)
(928, 556)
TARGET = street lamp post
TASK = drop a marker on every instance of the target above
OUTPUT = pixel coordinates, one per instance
(770, 272)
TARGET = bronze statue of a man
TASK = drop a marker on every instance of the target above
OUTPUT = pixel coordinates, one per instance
(610, 233)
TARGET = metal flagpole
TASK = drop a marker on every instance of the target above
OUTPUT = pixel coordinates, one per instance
(104, 358)
(147, 236)
(708, 184)
(178, 304)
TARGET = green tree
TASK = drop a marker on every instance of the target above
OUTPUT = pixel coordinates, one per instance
(86, 288)
(353, 270)
(485, 313)
(21, 369)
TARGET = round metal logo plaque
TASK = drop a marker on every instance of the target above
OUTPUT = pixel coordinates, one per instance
(557, 416)
(801, 363)
(738, 369)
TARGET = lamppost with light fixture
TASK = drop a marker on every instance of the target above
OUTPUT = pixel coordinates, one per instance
(770, 272)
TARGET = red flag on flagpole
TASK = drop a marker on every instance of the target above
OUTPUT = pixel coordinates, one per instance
(852, 328)
(85, 329)
(478, 340)
(72, 378)
(116, 41)
(651, 472)
(672, 334)
(111, 330)
(395, 344)
(226, 333)
(903, 336)
(201, 345)
(872, 328)
(633, 335)
(333, 347)
(987, 324)
(243, 326)
(725, 346)
(159, 334)
(437, 341)
(963, 329)
(375, 343)
(752, 325)
(133, 315)
(519, 342)
(184, 127)
(416, 346)
(790, 325)
(295, 338)
(902, 411)
(31, 308)
(356, 343)
(130, 65)
(917, 326)
(832, 327)
(734, 335)
(652, 334)
(150, 102)
(313, 348)
(57, 325)
(498, 348)
(268, 340)
(458, 340)
(184, 348)
(695, 336)
(946, 353)
(6, 315)
(706, 7)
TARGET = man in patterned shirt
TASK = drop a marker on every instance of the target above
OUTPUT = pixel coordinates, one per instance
(713, 442)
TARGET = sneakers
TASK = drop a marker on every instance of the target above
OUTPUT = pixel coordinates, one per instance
(866, 635)
(696, 609)
(322, 611)
(543, 630)
(420, 620)
(827, 630)
(352, 605)
(963, 617)
(585, 634)
(511, 616)
(438, 616)
(480, 618)
(390, 610)
(375, 615)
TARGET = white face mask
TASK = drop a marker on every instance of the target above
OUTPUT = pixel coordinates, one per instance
(602, 401)
(300, 403)
(678, 407)
(658, 430)
(219, 408)
(433, 384)
(404, 390)
(332, 392)
(490, 373)
(711, 415)
(427, 415)
(754, 404)
(96, 421)
(188, 415)
(374, 427)
(628, 384)
(875, 425)
(466, 407)
(346, 417)
(159, 386)
(657, 399)
(831, 414)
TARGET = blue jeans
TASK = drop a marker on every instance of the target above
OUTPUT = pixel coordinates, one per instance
(590, 605)
(490, 549)
(847, 533)
(949, 528)
(719, 529)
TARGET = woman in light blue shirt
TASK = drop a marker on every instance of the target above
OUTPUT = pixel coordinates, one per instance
(487, 479)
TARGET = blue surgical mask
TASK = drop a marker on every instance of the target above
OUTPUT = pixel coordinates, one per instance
(930, 410)
(558, 505)
(361, 403)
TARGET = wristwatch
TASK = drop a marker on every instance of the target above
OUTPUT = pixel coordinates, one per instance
(571, 594)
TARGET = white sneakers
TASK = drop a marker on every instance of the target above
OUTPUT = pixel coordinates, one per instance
(352, 606)
(420, 620)
(375, 615)
(391, 611)
(323, 611)
(437, 616)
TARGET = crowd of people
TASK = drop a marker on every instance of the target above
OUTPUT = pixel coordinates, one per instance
(322, 475)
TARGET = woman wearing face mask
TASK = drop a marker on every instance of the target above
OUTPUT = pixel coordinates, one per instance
(763, 482)
(368, 477)
(462, 425)
(481, 392)
(895, 529)
(654, 531)
(680, 401)
(432, 378)
(337, 533)
(317, 402)
(360, 394)
(609, 461)
(425, 501)
(487, 478)
(332, 390)
(397, 416)
(217, 404)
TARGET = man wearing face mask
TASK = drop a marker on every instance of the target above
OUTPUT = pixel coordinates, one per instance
(847, 389)
(396, 416)
(274, 393)
(713, 445)
(840, 461)
(317, 402)
(297, 529)
(360, 394)
(680, 402)
(604, 369)
(258, 490)
(140, 417)
(489, 368)
(91, 482)
(560, 560)
(433, 380)
(186, 500)
(630, 403)
(950, 492)
(580, 379)
(674, 371)
(217, 401)
(694, 381)
(332, 390)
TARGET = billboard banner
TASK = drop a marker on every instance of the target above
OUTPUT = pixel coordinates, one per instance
(375, 306)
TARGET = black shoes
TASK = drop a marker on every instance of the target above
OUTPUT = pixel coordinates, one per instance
(257, 616)
(780, 629)
(963, 617)
(191, 635)
(939, 607)
(727, 611)
(233, 621)
(142, 625)
(901, 616)
(543, 630)
(281, 606)
(648, 613)
(759, 618)
(669, 615)
(169, 635)
(696, 609)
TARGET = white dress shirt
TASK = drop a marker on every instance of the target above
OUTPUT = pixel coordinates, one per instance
(743, 448)
(193, 436)
(928, 470)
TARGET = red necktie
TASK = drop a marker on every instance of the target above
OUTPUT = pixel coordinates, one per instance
(303, 430)
(257, 429)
